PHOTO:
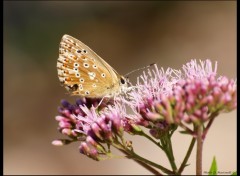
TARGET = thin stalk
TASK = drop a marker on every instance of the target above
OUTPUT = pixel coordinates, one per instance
(151, 139)
(166, 147)
(169, 152)
(146, 166)
(137, 157)
(186, 128)
(212, 117)
(131, 154)
(183, 165)
(199, 150)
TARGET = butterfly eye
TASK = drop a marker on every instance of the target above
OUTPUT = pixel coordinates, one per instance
(79, 51)
(84, 51)
(122, 80)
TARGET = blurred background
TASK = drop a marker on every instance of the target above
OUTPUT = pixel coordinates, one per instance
(128, 35)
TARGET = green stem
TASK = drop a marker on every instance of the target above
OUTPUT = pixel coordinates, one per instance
(212, 117)
(199, 150)
(152, 140)
(139, 158)
(166, 142)
(183, 165)
(173, 164)
(131, 154)
(146, 166)
(166, 147)
(186, 128)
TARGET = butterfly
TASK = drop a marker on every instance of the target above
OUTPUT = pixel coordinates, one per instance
(82, 72)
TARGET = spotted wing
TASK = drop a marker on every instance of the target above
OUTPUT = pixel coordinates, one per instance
(83, 72)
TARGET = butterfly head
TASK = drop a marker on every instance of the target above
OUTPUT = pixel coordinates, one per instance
(124, 83)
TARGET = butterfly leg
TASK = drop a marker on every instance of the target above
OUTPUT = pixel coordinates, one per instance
(106, 96)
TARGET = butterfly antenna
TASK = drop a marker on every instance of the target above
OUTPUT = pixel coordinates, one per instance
(139, 69)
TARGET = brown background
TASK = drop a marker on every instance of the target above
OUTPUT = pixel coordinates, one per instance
(128, 35)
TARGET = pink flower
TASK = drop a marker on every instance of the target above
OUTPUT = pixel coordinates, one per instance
(80, 122)
(175, 96)
(161, 101)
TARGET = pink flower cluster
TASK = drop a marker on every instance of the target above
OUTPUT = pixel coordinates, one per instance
(160, 101)
(82, 122)
(191, 96)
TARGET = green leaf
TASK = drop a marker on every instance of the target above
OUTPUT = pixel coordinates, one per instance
(234, 173)
(213, 169)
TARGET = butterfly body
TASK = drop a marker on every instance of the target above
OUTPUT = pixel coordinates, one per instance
(82, 72)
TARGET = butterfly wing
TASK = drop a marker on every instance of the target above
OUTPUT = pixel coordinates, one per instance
(83, 72)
